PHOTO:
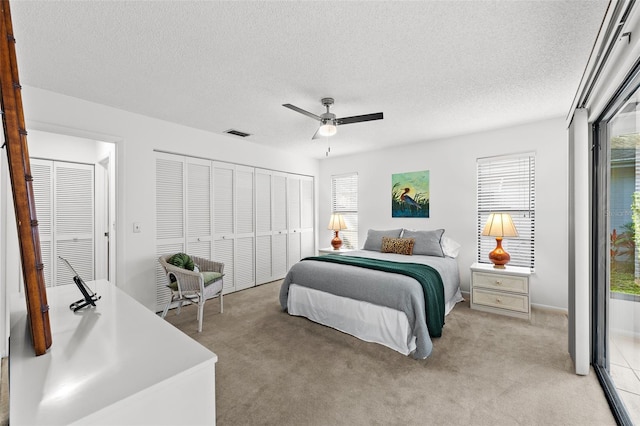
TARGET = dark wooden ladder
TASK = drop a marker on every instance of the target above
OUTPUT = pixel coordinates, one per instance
(15, 136)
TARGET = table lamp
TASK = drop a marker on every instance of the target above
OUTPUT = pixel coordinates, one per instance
(499, 225)
(336, 223)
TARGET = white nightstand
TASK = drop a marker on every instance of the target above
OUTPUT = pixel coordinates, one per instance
(501, 291)
(330, 250)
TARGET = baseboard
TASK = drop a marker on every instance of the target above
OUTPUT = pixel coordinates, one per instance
(550, 308)
(4, 392)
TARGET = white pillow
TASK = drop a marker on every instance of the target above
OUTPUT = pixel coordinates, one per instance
(450, 247)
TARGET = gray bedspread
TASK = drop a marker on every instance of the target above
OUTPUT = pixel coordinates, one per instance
(381, 288)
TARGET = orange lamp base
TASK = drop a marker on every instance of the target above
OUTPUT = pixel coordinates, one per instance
(336, 243)
(499, 257)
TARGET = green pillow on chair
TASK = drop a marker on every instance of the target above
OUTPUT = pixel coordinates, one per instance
(211, 277)
(181, 260)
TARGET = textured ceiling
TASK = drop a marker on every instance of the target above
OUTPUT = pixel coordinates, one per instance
(435, 68)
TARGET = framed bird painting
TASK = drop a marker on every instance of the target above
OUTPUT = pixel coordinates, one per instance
(410, 194)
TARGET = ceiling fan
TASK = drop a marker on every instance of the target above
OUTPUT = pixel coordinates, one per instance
(328, 120)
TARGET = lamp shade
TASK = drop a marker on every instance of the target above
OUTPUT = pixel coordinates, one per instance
(328, 128)
(336, 223)
(499, 225)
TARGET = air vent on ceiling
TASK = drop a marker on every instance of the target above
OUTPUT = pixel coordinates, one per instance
(237, 133)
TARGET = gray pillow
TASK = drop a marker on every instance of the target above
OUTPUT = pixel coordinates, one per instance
(427, 243)
(374, 238)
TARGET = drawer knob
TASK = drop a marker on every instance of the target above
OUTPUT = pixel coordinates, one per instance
(498, 300)
(498, 282)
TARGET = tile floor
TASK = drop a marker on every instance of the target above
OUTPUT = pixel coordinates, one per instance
(625, 372)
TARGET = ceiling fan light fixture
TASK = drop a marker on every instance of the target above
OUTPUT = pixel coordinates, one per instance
(328, 128)
(328, 120)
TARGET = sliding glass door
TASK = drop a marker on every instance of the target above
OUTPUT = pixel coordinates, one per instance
(616, 252)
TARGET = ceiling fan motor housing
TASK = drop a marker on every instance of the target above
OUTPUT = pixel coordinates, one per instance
(327, 117)
(327, 102)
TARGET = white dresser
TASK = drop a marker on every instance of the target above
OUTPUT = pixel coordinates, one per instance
(117, 363)
(501, 291)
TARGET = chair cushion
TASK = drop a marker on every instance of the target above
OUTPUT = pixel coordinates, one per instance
(181, 260)
(208, 277)
(211, 277)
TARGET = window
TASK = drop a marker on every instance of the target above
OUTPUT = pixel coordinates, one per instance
(507, 184)
(344, 200)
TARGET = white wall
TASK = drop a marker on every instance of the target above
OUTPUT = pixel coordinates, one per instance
(52, 146)
(452, 166)
(136, 138)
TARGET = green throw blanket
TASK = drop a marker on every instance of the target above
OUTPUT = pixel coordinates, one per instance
(428, 278)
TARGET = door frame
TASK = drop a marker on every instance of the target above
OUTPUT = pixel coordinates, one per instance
(115, 209)
(600, 351)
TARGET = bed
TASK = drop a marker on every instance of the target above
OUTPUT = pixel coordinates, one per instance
(396, 291)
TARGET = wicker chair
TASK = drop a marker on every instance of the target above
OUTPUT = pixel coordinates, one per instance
(193, 286)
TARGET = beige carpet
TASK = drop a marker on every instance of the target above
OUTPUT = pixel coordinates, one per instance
(485, 370)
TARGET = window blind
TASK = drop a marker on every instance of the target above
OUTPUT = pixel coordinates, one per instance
(344, 200)
(507, 184)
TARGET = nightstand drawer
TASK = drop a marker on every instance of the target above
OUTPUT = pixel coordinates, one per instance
(513, 302)
(501, 282)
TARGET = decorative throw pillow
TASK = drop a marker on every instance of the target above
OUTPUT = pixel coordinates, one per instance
(374, 238)
(397, 245)
(181, 260)
(427, 242)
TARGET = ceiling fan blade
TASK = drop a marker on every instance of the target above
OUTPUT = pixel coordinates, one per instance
(301, 111)
(359, 118)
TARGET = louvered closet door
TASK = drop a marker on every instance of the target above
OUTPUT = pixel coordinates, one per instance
(73, 220)
(42, 172)
(199, 208)
(280, 229)
(245, 232)
(64, 195)
(223, 221)
(307, 239)
(271, 226)
(293, 214)
(264, 270)
(170, 217)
